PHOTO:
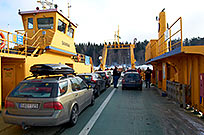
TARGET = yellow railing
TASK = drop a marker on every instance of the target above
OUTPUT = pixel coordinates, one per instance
(165, 46)
(165, 42)
(19, 42)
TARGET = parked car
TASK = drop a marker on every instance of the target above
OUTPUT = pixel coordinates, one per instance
(95, 81)
(105, 76)
(47, 100)
(132, 80)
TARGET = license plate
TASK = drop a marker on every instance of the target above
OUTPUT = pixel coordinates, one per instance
(28, 106)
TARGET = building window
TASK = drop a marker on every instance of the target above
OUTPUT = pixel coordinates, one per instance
(70, 32)
(30, 23)
(61, 26)
(45, 23)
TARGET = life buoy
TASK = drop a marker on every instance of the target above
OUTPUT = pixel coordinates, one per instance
(3, 43)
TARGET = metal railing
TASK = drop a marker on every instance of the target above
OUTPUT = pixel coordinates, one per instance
(19, 43)
(166, 41)
(180, 93)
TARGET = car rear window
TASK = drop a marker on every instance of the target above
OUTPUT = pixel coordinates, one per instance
(135, 76)
(101, 73)
(34, 90)
(86, 77)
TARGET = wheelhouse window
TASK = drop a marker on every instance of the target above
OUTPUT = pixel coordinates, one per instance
(45, 23)
(61, 26)
(70, 32)
(30, 23)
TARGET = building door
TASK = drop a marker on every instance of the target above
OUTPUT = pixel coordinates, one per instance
(8, 79)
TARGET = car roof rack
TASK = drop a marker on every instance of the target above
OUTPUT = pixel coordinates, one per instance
(51, 69)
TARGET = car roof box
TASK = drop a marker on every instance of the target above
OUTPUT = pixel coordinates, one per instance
(50, 69)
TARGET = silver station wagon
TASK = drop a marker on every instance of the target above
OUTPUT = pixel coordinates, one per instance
(47, 101)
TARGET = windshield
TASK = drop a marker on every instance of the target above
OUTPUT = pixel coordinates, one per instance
(45, 23)
(33, 90)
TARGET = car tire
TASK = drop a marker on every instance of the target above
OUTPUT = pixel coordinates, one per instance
(74, 115)
(92, 100)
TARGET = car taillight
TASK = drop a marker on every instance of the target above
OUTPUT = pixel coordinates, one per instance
(9, 104)
(107, 77)
(123, 81)
(54, 105)
(93, 80)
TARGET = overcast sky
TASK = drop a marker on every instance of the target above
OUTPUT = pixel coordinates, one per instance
(98, 19)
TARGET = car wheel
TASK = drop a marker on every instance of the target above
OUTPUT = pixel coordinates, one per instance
(74, 116)
(92, 100)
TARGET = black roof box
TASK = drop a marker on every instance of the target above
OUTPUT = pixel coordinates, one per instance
(51, 69)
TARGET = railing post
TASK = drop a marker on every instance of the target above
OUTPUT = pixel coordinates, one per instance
(26, 42)
(181, 34)
(170, 39)
(8, 41)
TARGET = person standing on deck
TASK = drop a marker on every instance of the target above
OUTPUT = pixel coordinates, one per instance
(148, 73)
(116, 76)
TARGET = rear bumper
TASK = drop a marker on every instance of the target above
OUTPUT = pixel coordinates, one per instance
(54, 120)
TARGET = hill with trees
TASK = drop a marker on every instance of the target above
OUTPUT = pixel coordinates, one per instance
(115, 57)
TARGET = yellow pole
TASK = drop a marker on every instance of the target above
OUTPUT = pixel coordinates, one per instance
(26, 45)
(8, 41)
(0, 88)
(132, 56)
(104, 56)
(181, 35)
(170, 40)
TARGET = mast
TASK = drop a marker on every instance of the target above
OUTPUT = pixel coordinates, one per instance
(69, 6)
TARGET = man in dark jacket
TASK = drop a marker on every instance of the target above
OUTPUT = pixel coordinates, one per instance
(116, 76)
(148, 73)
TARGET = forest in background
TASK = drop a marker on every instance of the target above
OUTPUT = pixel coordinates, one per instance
(120, 57)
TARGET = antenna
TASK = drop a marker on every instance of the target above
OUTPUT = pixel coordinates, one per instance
(45, 3)
(69, 6)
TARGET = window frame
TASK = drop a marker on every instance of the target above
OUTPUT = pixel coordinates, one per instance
(65, 25)
(68, 32)
(52, 25)
(29, 23)
(59, 93)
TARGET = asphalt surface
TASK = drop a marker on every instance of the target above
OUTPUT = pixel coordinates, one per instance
(128, 112)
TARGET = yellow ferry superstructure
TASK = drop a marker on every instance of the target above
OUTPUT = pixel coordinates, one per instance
(178, 69)
(48, 37)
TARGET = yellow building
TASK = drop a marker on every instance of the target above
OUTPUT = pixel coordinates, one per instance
(177, 64)
(48, 37)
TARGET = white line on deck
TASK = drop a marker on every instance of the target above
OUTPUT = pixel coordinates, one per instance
(93, 119)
